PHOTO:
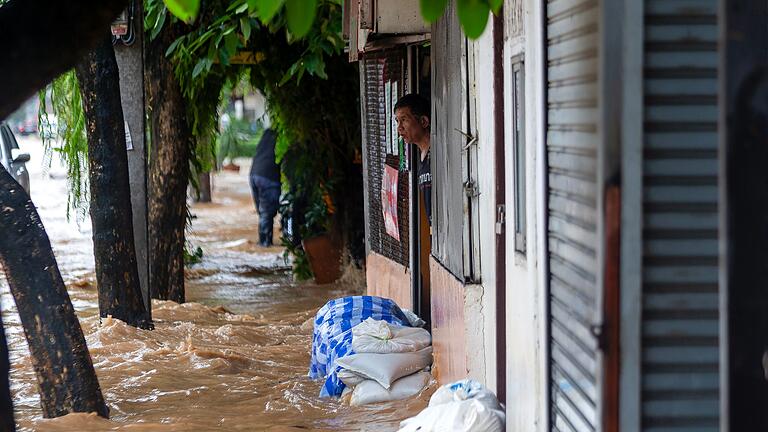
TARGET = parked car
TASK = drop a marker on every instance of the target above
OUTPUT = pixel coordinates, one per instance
(13, 158)
(27, 127)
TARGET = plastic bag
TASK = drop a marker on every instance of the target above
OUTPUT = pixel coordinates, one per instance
(369, 391)
(461, 416)
(464, 390)
(374, 336)
(386, 368)
(461, 406)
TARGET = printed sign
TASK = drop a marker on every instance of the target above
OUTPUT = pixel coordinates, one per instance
(389, 201)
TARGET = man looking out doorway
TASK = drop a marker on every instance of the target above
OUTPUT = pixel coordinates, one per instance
(412, 113)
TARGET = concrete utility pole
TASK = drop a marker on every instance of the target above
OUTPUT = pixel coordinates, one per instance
(744, 214)
(130, 59)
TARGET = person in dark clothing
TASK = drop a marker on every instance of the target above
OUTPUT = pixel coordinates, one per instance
(265, 185)
(412, 113)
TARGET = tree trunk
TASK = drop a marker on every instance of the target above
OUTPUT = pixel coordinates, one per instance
(41, 39)
(59, 354)
(204, 183)
(7, 422)
(171, 144)
(117, 274)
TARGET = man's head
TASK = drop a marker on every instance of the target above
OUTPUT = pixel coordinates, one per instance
(412, 113)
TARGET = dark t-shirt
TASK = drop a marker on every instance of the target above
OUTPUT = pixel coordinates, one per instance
(425, 185)
(264, 160)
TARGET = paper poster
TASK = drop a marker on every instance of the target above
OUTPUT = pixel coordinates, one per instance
(128, 139)
(389, 201)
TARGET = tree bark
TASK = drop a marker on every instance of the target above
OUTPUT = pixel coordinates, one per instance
(204, 191)
(59, 354)
(7, 422)
(41, 39)
(117, 274)
(171, 144)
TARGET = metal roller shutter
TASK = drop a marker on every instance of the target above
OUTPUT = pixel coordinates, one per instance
(680, 390)
(573, 211)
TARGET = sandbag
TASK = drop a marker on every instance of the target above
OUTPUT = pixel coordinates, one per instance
(332, 334)
(386, 368)
(458, 416)
(349, 378)
(376, 336)
(370, 391)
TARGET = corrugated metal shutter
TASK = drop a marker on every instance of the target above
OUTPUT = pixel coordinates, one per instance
(384, 81)
(448, 103)
(572, 217)
(680, 390)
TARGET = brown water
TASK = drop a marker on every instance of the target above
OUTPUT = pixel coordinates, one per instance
(234, 357)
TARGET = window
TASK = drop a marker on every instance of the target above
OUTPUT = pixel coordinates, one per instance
(518, 141)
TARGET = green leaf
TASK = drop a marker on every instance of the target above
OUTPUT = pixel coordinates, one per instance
(245, 27)
(267, 9)
(198, 68)
(300, 14)
(495, 5)
(432, 10)
(173, 46)
(158, 24)
(224, 57)
(473, 16)
(242, 8)
(231, 42)
(185, 10)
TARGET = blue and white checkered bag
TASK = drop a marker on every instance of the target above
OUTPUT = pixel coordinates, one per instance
(332, 335)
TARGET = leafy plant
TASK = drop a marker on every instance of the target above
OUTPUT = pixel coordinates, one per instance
(69, 140)
(300, 14)
(192, 256)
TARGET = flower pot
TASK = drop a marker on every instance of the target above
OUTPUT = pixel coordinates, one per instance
(324, 256)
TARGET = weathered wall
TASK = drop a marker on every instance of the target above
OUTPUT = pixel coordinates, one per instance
(448, 337)
(480, 306)
(386, 278)
(526, 373)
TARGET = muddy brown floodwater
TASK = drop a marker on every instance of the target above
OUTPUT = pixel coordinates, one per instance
(235, 357)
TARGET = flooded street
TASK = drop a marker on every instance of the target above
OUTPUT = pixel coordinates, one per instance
(234, 357)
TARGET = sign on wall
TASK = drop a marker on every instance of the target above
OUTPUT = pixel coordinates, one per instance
(389, 201)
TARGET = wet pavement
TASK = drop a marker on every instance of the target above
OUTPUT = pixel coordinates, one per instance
(235, 357)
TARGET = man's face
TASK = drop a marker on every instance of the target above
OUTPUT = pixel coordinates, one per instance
(411, 128)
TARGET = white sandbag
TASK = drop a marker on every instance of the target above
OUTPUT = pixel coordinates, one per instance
(373, 336)
(465, 390)
(460, 416)
(386, 368)
(349, 378)
(369, 391)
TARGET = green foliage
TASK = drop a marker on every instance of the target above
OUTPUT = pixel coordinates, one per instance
(185, 10)
(192, 256)
(299, 15)
(70, 140)
(432, 10)
(237, 140)
(473, 14)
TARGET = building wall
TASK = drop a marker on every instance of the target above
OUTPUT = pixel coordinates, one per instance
(526, 377)
(388, 279)
(480, 307)
(448, 330)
